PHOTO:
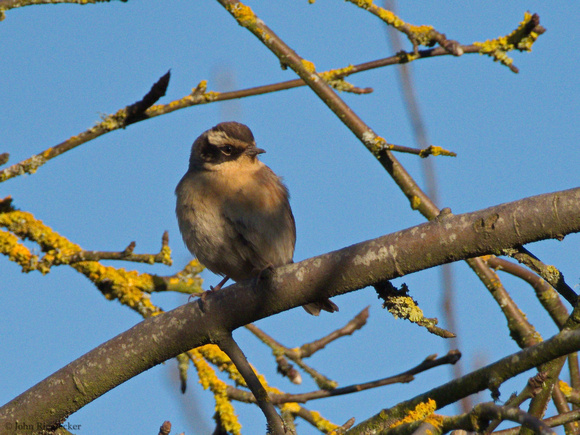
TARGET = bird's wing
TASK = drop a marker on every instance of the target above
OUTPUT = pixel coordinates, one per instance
(263, 226)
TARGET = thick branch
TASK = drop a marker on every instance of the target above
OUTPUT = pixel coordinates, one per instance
(437, 242)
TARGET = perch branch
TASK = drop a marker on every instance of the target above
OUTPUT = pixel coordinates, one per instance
(167, 335)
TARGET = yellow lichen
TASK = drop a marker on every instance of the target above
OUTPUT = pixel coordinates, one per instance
(216, 356)
(435, 420)
(182, 368)
(390, 18)
(16, 252)
(336, 73)
(166, 256)
(209, 379)
(128, 287)
(201, 87)
(422, 35)
(374, 143)
(404, 307)
(291, 407)
(553, 273)
(415, 202)
(341, 85)
(322, 424)
(420, 413)
(519, 39)
(225, 409)
(436, 151)
(112, 122)
(565, 388)
(243, 14)
(365, 4)
(309, 66)
(205, 373)
(211, 96)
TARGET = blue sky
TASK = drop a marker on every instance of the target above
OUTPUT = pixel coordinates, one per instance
(65, 65)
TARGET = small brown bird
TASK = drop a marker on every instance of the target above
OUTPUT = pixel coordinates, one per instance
(233, 211)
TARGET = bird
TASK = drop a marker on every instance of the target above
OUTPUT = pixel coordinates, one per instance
(233, 211)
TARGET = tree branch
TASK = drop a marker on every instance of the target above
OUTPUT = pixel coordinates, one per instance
(544, 291)
(548, 272)
(166, 335)
(231, 348)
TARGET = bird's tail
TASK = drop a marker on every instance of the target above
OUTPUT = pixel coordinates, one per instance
(314, 308)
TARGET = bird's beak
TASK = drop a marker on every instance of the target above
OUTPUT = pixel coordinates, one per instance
(253, 151)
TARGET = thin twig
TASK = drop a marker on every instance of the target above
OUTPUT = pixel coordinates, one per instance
(6, 5)
(428, 363)
(545, 292)
(308, 349)
(533, 387)
(418, 35)
(558, 420)
(200, 96)
(121, 119)
(478, 418)
(125, 255)
(231, 348)
(548, 272)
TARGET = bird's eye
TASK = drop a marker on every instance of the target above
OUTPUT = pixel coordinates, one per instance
(227, 150)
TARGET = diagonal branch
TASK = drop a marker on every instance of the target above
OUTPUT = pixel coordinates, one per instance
(121, 119)
(167, 335)
(231, 348)
(548, 272)
(546, 294)
(308, 350)
(418, 199)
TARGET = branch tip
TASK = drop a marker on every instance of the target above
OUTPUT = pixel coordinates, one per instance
(136, 111)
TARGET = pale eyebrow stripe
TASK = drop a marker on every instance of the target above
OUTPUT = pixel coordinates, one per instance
(218, 138)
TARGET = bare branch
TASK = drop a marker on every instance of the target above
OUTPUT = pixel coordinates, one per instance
(478, 419)
(548, 272)
(546, 294)
(405, 377)
(308, 349)
(231, 348)
(277, 348)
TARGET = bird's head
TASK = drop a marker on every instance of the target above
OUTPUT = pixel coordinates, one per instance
(225, 143)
